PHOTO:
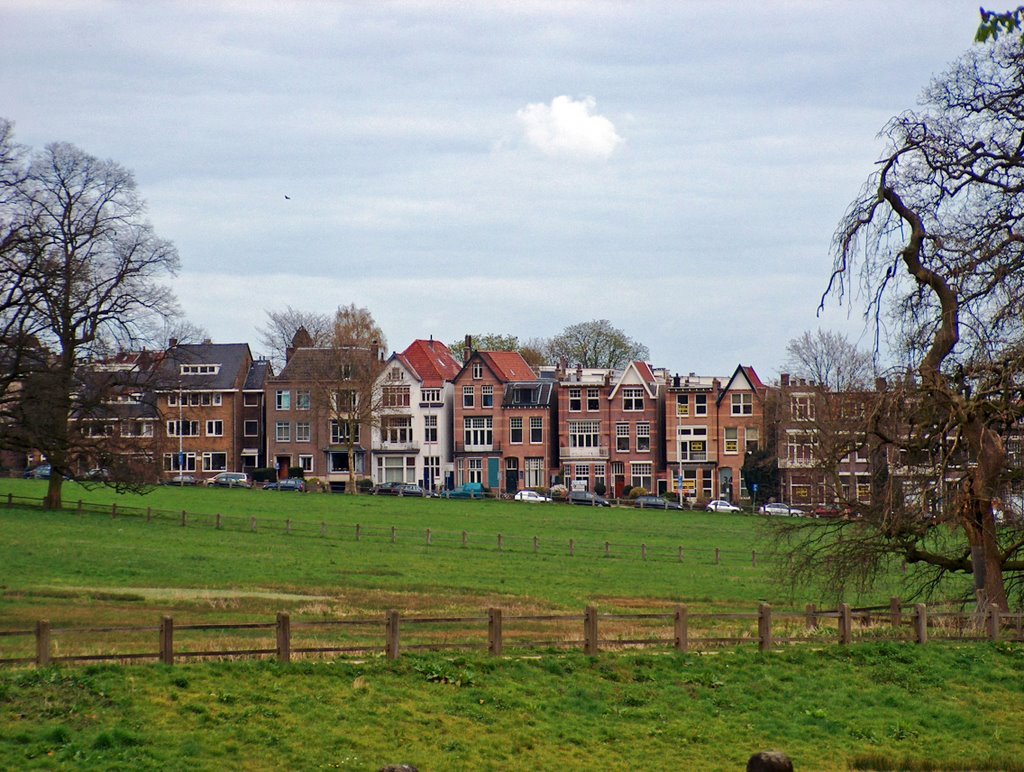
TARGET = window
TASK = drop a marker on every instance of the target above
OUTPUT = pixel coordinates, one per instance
(478, 371)
(187, 429)
(396, 374)
(303, 432)
(751, 436)
(682, 405)
(251, 399)
(98, 430)
(487, 396)
(802, 407)
(431, 470)
(693, 443)
(343, 431)
(180, 462)
(536, 430)
(344, 400)
(599, 478)
(430, 428)
(478, 432)
(742, 404)
(200, 369)
(215, 462)
(732, 440)
(643, 437)
(283, 431)
(700, 404)
(799, 448)
(194, 398)
(534, 472)
(584, 434)
(515, 431)
(283, 400)
(622, 438)
(593, 399)
(303, 400)
(632, 399)
(396, 396)
(468, 399)
(575, 399)
(432, 396)
(476, 470)
(215, 428)
(582, 474)
(642, 476)
(397, 430)
(251, 428)
(306, 463)
(137, 429)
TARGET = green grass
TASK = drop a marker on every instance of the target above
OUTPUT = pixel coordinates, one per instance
(878, 707)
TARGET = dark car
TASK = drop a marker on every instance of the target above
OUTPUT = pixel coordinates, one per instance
(287, 484)
(385, 489)
(586, 498)
(41, 472)
(182, 479)
(655, 502)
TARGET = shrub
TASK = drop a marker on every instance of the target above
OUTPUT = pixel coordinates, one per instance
(637, 492)
(297, 471)
(625, 490)
(559, 491)
(264, 474)
(600, 489)
(365, 484)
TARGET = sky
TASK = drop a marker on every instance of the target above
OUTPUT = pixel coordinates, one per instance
(678, 168)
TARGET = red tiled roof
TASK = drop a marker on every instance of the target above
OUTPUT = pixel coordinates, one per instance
(432, 361)
(752, 377)
(645, 371)
(508, 365)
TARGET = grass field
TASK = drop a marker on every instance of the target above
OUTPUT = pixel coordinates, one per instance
(881, 706)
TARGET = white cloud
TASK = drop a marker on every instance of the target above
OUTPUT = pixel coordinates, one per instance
(569, 128)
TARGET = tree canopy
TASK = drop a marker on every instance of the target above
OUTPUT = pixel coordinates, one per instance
(595, 343)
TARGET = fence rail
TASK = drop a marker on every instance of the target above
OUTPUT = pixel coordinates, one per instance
(500, 633)
(440, 539)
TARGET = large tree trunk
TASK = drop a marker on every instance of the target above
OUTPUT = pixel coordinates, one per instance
(978, 518)
(53, 497)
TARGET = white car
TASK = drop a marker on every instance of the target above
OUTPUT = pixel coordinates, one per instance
(530, 496)
(722, 506)
(779, 508)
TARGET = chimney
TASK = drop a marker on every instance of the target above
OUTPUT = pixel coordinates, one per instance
(676, 380)
(579, 373)
(172, 343)
(784, 379)
(467, 350)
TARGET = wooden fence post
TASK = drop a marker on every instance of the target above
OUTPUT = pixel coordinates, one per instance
(501, 543)
(845, 624)
(753, 558)
(43, 643)
(607, 549)
(811, 616)
(682, 628)
(428, 537)
(590, 645)
(494, 642)
(572, 547)
(149, 514)
(167, 640)
(284, 637)
(993, 622)
(391, 635)
(718, 556)
(79, 508)
(921, 623)
(643, 552)
(895, 612)
(10, 500)
(394, 534)
(113, 511)
(357, 531)
(323, 529)
(217, 522)
(680, 553)
(536, 544)
(465, 539)
(764, 627)
(184, 518)
(288, 525)
(252, 524)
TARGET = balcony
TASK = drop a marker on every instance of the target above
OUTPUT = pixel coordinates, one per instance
(600, 452)
(462, 447)
(396, 447)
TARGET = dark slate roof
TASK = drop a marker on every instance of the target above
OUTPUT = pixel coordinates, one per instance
(233, 358)
(539, 393)
(258, 374)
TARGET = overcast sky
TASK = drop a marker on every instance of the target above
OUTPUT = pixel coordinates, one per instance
(515, 167)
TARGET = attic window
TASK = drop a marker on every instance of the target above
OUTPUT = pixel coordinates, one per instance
(200, 369)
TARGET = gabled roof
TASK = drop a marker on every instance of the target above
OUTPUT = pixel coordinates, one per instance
(258, 374)
(431, 361)
(233, 358)
(507, 365)
(644, 375)
(743, 379)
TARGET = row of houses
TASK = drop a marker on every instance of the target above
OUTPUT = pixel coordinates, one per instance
(422, 416)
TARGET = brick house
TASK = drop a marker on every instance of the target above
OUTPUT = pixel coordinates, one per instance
(481, 427)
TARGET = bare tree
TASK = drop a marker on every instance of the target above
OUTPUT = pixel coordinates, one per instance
(595, 344)
(936, 238)
(829, 359)
(89, 268)
(276, 336)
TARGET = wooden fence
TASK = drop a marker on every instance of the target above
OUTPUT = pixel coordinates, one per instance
(430, 537)
(499, 634)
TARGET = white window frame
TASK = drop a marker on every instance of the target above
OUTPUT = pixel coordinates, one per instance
(282, 431)
(215, 427)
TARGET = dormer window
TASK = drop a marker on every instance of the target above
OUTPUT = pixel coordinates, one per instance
(478, 371)
(200, 369)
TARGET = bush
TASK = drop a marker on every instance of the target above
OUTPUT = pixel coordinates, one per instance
(600, 489)
(365, 484)
(625, 491)
(559, 491)
(264, 474)
(637, 492)
(297, 471)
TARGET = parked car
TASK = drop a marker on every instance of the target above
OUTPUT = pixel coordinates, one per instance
(287, 484)
(230, 480)
(718, 505)
(182, 479)
(826, 510)
(655, 502)
(778, 508)
(529, 495)
(41, 472)
(385, 489)
(467, 491)
(99, 473)
(398, 489)
(586, 498)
